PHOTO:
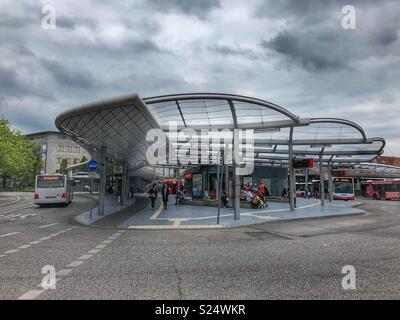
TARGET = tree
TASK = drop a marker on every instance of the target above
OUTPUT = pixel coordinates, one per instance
(63, 166)
(19, 158)
(83, 159)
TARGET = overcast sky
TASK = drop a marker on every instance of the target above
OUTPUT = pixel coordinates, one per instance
(293, 53)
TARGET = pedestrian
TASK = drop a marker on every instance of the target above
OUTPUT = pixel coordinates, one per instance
(179, 197)
(164, 194)
(225, 200)
(153, 195)
(284, 193)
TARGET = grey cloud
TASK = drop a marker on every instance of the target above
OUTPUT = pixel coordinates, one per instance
(67, 22)
(227, 50)
(311, 52)
(385, 37)
(75, 76)
(199, 8)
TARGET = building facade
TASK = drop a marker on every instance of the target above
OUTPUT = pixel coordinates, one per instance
(54, 147)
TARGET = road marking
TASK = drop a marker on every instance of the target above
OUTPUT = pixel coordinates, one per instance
(93, 251)
(85, 257)
(30, 295)
(53, 235)
(12, 210)
(6, 204)
(63, 272)
(112, 238)
(24, 246)
(48, 225)
(182, 226)
(33, 242)
(11, 251)
(8, 234)
(107, 241)
(158, 212)
(177, 221)
(75, 264)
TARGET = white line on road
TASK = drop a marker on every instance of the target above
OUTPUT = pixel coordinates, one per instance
(48, 225)
(63, 272)
(30, 295)
(11, 251)
(85, 257)
(16, 209)
(24, 246)
(93, 251)
(33, 294)
(6, 204)
(8, 234)
(75, 264)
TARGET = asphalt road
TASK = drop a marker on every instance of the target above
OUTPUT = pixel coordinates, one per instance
(276, 260)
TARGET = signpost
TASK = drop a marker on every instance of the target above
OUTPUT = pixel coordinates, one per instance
(92, 167)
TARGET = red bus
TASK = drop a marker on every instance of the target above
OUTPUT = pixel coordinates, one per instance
(382, 189)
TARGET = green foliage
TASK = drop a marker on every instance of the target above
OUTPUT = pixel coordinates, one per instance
(83, 159)
(19, 158)
(63, 166)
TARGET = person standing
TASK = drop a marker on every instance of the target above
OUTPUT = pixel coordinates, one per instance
(164, 194)
(153, 195)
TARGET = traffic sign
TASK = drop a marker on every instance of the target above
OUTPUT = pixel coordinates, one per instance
(92, 165)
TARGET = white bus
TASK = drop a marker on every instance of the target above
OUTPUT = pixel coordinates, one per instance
(56, 188)
(343, 189)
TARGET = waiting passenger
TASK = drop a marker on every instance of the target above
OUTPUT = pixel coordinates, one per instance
(249, 196)
(179, 197)
(164, 194)
(153, 195)
(225, 200)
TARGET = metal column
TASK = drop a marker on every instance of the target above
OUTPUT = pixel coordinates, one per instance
(306, 185)
(321, 178)
(227, 179)
(292, 178)
(124, 184)
(103, 179)
(236, 178)
(330, 182)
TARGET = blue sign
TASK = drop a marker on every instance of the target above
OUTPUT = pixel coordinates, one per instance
(92, 165)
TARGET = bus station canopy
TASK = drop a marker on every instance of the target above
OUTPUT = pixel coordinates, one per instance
(121, 124)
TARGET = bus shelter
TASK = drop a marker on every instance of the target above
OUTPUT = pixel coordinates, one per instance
(116, 131)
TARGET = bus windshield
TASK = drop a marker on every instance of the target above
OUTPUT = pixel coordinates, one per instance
(343, 187)
(50, 181)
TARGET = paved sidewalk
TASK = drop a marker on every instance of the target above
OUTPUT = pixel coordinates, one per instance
(111, 206)
(187, 216)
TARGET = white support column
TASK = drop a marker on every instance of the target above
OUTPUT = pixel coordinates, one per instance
(103, 179)
(124, 184)
(306, 182)
(321, 177)
(236, 177)
(292, 178)
(227, 179)
(330, 181)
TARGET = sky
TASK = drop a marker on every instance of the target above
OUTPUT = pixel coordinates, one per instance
(292, 53)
